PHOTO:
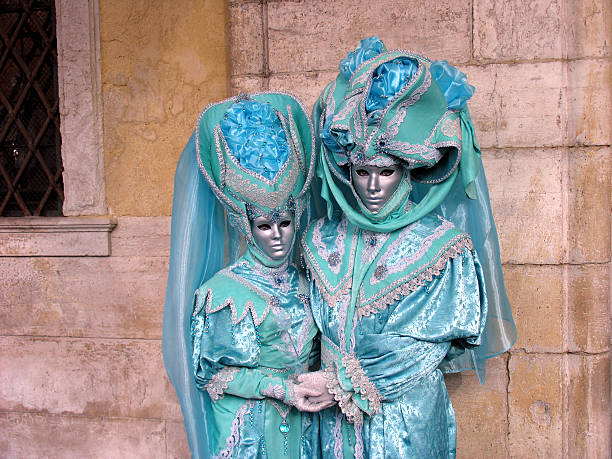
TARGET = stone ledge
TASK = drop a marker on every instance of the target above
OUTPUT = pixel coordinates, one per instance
(56, 236)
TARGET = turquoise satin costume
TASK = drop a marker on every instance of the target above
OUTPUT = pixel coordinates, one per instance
(234, 351)
(400, 295)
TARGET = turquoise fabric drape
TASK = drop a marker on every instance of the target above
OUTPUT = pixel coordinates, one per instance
(196, 254)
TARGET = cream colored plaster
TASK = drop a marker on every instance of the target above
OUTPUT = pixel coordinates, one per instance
(162, 62)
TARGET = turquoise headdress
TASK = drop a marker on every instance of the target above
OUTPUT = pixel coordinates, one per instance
(395, 106)
(389, 107)
(256, 154)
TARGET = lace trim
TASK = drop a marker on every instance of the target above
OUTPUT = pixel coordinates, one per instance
(274, 390)
(406, 287)
(358, 441)
(249, 306)
(267, 198)
(289, 394)
(344, 399)
(283, 411)
(220, 381)
(334, 259)
(234, 437)
(398, 119)
(361, 381)
(306, 323)
(344, 285)
(338, 447)
(451, 127)
(425, 245)
(418, 91)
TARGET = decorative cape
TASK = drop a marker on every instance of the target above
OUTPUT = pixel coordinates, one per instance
(397, 263)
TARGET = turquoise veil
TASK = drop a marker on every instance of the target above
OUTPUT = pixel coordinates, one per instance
(197, 252)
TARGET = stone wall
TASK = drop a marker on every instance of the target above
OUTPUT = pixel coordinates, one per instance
(542, 116)
(81, 372)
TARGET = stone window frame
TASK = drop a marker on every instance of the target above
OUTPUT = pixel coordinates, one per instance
(85, 228)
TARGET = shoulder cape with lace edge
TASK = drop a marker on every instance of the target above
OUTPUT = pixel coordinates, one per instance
(430, 241)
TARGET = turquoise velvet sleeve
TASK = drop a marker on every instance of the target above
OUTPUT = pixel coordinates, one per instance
(219, 347)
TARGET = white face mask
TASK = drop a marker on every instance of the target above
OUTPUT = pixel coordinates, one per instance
(274, 238)
(375, 185)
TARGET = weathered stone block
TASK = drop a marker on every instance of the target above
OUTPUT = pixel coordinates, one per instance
(589, 102)
(519, 105)
(536, 406)
(589, 216)
(589, 406)
(588, 28)
(537, 299)
(119, 297)
(135, 236)
(526, 191)
(55, 236)
(246, 38)
(246, 84)
(484, 104)
(90, 377)
(176, 441)
(306, 86)
(518, 30)
(589, 306)
(56, 437)
(481, 411)
(304, 36)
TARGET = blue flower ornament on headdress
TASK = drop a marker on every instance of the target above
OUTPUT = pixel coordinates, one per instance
(256, 154)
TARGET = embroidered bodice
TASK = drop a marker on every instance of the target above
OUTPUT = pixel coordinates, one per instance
(252, 334)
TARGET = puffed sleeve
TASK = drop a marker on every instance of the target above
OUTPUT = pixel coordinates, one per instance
(226, 356)
(433, 323)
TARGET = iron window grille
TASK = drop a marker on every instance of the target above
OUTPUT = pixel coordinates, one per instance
(30, 157)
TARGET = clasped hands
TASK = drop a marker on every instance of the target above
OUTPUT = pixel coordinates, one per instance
(311, 392)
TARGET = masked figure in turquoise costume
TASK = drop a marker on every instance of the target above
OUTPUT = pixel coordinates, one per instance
(251, 333)
(406, 275)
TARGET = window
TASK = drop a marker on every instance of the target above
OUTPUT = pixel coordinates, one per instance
(30, 142)
(85, 228)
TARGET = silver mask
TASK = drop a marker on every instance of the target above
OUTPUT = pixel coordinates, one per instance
(375, 185)
(274, 236)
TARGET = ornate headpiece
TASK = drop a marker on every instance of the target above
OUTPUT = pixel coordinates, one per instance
(256, 153)
(390, 106)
